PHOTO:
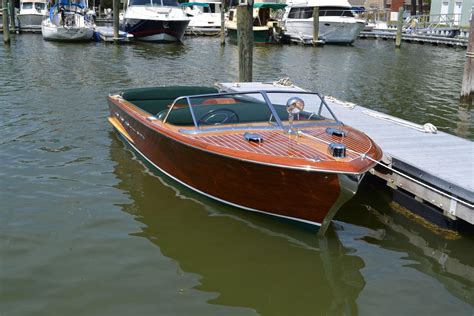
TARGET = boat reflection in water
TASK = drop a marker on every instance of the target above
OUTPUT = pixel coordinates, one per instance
(249, 259)
(425, 248)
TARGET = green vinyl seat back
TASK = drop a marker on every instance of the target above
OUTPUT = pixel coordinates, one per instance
(247, 112)
(156, 99)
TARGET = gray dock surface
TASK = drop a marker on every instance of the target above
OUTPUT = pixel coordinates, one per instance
(439, 159)
(417, 38)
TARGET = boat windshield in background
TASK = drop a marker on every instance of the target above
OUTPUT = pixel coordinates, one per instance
(263, 109)
(159, 3)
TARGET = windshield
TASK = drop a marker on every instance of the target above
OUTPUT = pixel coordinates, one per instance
(169, 3)
(248, 109)
(40, 6)
(27, 5)
(307, 12)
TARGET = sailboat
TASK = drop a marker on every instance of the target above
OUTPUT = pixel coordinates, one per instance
(68, 21)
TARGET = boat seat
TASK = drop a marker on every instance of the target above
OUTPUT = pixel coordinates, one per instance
(247, 112)
(156, 99)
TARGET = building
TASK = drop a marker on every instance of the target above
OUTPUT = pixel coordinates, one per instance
(394, 5)
(459, 11)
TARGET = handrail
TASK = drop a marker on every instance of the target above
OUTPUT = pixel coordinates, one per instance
(264, 94)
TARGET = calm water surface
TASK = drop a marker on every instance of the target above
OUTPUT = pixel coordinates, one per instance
(86, 229)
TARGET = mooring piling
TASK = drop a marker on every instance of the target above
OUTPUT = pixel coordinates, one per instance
(116, 5)
(398, 39)
(12, 15)
(467, 89)
(245, 40)
(315, 25)
(222, 23)
(6, 28)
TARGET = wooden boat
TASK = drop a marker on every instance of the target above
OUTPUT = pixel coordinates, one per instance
(277, 152)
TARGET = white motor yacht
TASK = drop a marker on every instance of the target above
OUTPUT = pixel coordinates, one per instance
(32, 13)
(337, 23)
(205, 17)
(155, 20)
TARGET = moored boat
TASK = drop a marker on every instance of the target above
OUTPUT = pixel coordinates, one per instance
(205, 17)
(155, 20)
(32, 13)
(279, 152)
(68, 21)
(337, 23)
(266, 29)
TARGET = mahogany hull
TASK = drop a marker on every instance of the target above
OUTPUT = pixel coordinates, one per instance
(298, 194)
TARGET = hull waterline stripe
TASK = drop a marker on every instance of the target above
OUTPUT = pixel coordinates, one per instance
(213, 197)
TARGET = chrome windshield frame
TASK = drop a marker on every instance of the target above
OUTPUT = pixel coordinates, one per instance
(264, 94)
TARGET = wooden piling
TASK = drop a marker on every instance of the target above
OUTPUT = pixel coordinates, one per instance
(6, 28)
(222, 23)
(398, 39)
(12, 16)
(116, 5)
(245, 41)
(467, 89)
(413, 7)
(315, 25)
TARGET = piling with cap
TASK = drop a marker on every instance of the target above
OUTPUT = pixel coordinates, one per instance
(222, 23)
(398, 39)
(6, 28)
(467, 89)
(116, 5)
(245, 40)
(315, 25)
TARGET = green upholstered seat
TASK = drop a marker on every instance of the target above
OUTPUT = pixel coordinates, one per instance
(247, 112)
(157, 99)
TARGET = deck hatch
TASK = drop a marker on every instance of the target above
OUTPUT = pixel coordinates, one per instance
(253, 137)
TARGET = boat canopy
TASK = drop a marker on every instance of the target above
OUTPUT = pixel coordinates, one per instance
(80, 3)
(199, 4)
(266, 5)
(166, 3)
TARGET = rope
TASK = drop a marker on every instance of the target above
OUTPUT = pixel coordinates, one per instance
(364, 156)
(426, 128)
(346, 104)
(470, 54)
(285, 82)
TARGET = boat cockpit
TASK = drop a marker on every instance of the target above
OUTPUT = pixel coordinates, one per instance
(202, 109)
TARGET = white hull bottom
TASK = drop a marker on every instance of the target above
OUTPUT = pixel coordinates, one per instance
(330, 32)
(161, 37)
(31, 21)
(199, 30)
(54, 33)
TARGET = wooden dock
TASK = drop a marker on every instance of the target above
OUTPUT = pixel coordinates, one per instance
(435, 169)
(415, 38)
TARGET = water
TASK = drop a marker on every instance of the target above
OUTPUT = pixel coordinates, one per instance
(86, 229)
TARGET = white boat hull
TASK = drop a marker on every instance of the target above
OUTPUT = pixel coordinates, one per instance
(336, 31)
(31, 21)
(61, 33)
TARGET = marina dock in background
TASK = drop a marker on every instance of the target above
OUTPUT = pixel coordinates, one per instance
(415, 38)
(430, 172)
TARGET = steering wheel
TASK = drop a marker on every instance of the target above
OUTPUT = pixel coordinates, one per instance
(219, 116)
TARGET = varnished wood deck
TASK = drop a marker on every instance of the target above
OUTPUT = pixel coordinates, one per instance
(440, 160)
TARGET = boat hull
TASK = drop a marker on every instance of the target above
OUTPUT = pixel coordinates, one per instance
(343, 31)
(54, 33)
(297, 194)
(31, 21)
(155, 30)
(261, 36)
